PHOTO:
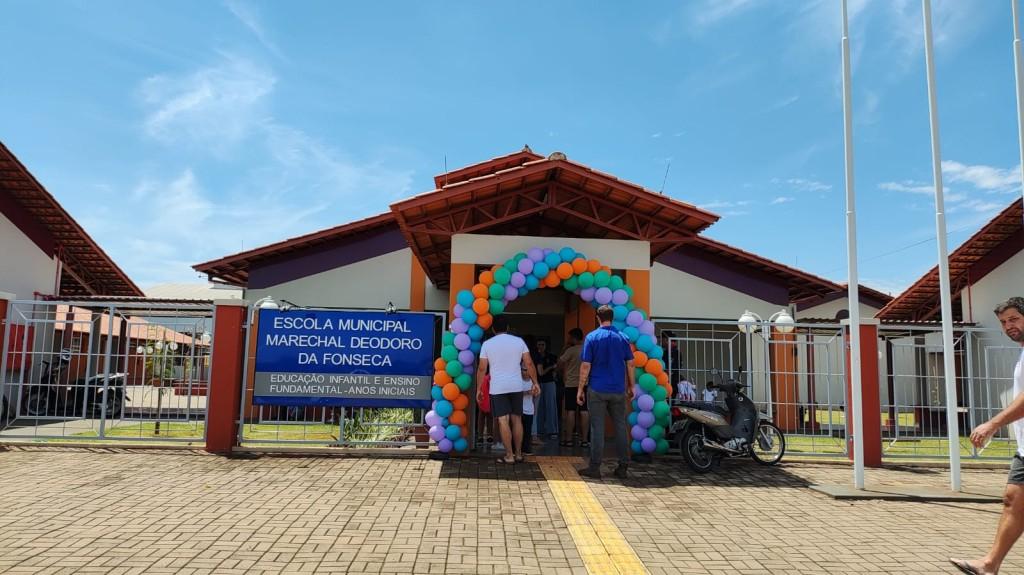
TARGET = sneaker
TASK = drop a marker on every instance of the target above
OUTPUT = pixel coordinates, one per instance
(620, 472)
(591, 472)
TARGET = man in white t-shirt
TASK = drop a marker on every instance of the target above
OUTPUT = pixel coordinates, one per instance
(504, 354)
(1011, 525)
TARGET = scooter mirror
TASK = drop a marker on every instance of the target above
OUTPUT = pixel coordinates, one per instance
(65, 355)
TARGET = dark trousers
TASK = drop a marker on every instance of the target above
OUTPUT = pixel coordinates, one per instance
(614, 405)
(527, 446)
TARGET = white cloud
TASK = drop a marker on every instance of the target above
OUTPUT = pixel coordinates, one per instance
(782, 200)
(711, 12)
(656, 135)
(728, 207)
(802, 184)
(908, 187)
(981, 176)
(249, 17)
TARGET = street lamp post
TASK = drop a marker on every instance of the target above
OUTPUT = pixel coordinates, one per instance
(750, 322)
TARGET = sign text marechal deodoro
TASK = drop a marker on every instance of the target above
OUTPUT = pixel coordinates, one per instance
(350, 358)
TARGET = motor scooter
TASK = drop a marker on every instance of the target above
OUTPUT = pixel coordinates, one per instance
(57, 396)
(706, 432)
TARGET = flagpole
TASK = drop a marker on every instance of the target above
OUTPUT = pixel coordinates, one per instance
(853, 284)
(952, 426)
(1018, 72)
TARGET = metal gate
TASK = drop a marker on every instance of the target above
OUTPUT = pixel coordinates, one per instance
(797, 378)
(134, 370)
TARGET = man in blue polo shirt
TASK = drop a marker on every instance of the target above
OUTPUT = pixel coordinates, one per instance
(607, 364)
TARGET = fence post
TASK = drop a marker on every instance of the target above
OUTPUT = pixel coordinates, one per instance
(870, 393)
(225, 389)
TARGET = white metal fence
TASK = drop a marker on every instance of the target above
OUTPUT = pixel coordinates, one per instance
(109, 370)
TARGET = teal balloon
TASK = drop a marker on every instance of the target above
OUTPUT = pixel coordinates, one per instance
(638, 372)
(465, 298)
(635, 447)
(581, 256)
(532, 281)
(660, 409)
(662, 447)
(567, 254)
(511, 266)
(502, 276)
(631, 332)
(453, 432)
(632, 418)
(541, 270)
(644, 342)
(475, 332)
(523, 291)
(630, 306)
(552, 259)
(615, 283)
(628, 289)
(662, 421)
(620, 313)
(497, 307)
(518, 257)
(443, 407)
(496, 291)
(634, 404)
(619, 325)
(602, 278)
(454, 368)
(469, 316)
(659, 394)
(463, 380)
(656, 432)
(648, 382)
(460, 444)
(656, 352)
(448, 338)
(450, 353)
(475, 347)
(586, 280)
(435, 393)
(571, 284)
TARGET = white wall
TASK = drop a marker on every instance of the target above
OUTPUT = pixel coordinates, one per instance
(679, 294)
(436, 299)
(367, 284)
(995, 288)
(828, 310)
(488, 249)
(24, 268)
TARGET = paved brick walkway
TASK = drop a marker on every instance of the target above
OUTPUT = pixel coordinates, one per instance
(113, 511)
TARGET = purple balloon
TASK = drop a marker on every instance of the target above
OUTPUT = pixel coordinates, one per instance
(466, 357)
(462, 341)
(432, 418)
(638, 432)
(587, 294)
(519, 278)
(468, 369)
(525, 266)
(534, 254)
(511, 293)
(603, 295)
(647, 444)
(436, 433)
(634, 318)
(645, 419)
(646, 402)
(647, 327)
(458, 310)
(459, 326)
(548, 251)
(445, 445)
(620, 297)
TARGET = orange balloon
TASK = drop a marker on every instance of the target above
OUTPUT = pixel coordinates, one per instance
(579, 265)
(663, 379)
(552, 279)
(639, 358)
(480, 291)
(441, 377)
(487, 278)
(654, 368)
(458, 417)
(485, 320)
(593, 266)
(440, 364)
(450, 391)
(606, 269)
(564, 270)
(461, 402)
(481, 305)
(465, 430)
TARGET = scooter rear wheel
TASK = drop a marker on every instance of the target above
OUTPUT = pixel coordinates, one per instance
(769, 444)
(699, 458)
(37, 403)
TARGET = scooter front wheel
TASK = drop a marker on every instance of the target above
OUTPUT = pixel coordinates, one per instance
(769, 444)
(699, 458)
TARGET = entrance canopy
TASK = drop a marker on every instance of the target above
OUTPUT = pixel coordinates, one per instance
(547, 197)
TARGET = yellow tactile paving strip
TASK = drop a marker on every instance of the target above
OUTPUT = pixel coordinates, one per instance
(600, 543)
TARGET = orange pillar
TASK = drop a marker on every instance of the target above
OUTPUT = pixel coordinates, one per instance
(417, 287)
(785, 390)
(5, 300)
(869, 390)
(640, 281)
(461, 278)
(225, 376)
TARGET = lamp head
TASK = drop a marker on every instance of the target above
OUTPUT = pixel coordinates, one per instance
(390, 309)
(748, 322)
(784, 322)
(268, 303)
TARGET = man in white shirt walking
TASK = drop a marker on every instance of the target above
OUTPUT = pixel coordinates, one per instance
(1011, 524)
(504, 354)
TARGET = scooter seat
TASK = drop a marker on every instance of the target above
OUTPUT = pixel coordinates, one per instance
(705, 406)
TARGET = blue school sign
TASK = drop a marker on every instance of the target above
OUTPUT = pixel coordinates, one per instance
(344, 358)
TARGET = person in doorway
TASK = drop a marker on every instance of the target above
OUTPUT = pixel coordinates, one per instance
(569, 367)
(529, 407)
(503, 354)
(484, 422)
(606, 373)
(1011, 524)
(547, 408)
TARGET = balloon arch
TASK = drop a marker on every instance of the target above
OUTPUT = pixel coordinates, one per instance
(545, 268)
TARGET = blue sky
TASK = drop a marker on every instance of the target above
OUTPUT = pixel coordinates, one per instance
(181, 132)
